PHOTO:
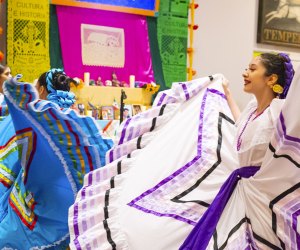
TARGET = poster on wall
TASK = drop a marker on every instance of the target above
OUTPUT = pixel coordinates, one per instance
(140, 7)
(28, 38)
(108, 45)
(279, 22)
(105, 41)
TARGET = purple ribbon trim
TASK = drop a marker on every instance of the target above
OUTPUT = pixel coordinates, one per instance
(161, 99)
(205, 228)
(287, 137)
(185, 90)
(124, 131)
(76, 228)
(217, 92)
(111, 155)
(294, 216)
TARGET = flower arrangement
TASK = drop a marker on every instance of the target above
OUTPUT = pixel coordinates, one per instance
(151, 87)
(77, 83)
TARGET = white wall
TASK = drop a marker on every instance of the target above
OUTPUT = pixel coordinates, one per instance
(225, 40)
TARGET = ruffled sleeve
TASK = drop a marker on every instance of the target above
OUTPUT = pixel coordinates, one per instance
(275, 109)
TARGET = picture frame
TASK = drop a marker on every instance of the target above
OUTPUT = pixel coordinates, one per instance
(137, 109)
(279, 23)
(96, 113)
(107, 113)
(117, 114)
(127, 111)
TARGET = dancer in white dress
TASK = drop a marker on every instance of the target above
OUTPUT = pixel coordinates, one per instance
(182, 175)
(268, 77)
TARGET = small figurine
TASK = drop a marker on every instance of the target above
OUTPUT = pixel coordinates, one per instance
(115, 81)
(124, 84)
(92, 82)
(115, 105)
(81, 108)
(99, 81)
(108, 83)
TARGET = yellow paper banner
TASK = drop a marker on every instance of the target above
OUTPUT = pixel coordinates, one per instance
(28, 37)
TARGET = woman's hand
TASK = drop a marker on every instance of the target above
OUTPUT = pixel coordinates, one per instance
(231, 102)
(225, 85)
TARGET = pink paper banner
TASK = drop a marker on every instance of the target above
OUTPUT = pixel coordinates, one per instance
(103, 42)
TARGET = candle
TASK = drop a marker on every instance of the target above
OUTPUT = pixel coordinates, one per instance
(132, 81)
(86, 78)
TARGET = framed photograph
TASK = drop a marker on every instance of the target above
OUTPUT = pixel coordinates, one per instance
(107, 112)
(96, 114)
(279, 22)
(137, 108)
(117, 114)
(127, 111)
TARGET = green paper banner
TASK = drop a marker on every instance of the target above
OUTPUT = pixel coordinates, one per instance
(172, 33)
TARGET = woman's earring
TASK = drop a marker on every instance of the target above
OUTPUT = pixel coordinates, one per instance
(277, 89)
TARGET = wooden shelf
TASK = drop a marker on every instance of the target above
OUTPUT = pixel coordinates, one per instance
(104, 96)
